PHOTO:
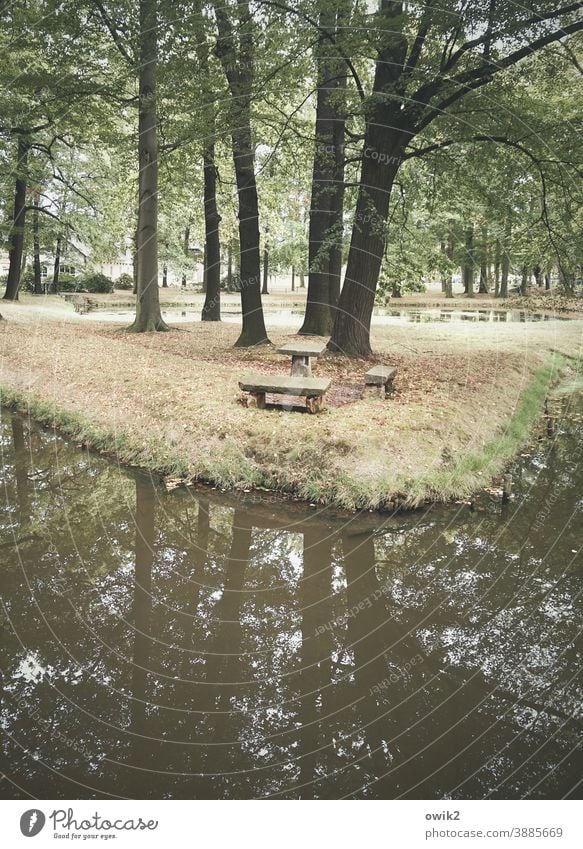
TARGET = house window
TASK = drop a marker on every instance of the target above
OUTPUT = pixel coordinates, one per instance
(67, 269)
(43, 271)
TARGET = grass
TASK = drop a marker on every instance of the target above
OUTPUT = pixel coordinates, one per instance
(465, 399)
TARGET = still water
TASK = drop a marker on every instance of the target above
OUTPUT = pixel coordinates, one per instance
(198, 645)
(382, 316)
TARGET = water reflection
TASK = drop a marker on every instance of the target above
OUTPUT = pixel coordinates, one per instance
(197, 645)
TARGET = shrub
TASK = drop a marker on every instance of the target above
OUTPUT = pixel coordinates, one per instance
(96, 283)
(124, 282)
(68, 283)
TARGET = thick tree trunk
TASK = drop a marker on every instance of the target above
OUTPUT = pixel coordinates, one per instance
(236, 54)
(37, 271)
(148, 315)
(327, 197)
(384, 145)
(525, 278)
(337, 216)
(211, 310)
(548, 281)
(293, 278)
(16, 250)
(253, 331)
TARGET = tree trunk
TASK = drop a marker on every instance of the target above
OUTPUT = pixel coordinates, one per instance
(164, 276)
(54, 287)
(18, 221)
(449, 254)
(38, 283)
(538, 275)
(524, 280)
(211, 310)
(236, 55)
(265, 268)
(384, 145)
(497, 259)
(468, 266)
(148, 315)
(293, 278)
(484, 288)
(548, 281)
(506, 258)
(327, 195)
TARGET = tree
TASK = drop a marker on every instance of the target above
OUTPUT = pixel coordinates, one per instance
(236, 54)
(148, 315)
(408, 96)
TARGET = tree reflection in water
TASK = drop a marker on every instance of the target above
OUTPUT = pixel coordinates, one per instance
(197, 645)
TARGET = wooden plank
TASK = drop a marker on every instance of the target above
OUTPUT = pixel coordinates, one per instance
(303, 349)
(379, 375)
(281, 385)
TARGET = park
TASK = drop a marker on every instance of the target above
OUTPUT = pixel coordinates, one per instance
(291, 321)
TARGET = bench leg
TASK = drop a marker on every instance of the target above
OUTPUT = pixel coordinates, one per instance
(314, 403)
(301, 367)
(372, 390)
(254, 399)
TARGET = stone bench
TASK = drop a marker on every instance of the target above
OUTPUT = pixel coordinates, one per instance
(256, 386)
(378, 381)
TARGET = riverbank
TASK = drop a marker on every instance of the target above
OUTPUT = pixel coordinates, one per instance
(466, 396)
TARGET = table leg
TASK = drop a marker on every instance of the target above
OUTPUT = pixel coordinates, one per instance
(301, 366)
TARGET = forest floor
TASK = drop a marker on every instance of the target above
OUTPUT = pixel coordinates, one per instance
(466, 397)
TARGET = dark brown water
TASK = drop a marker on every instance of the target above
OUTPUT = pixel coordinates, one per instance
(193, 645)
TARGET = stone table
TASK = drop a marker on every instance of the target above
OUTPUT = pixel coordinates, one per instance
(301, 352)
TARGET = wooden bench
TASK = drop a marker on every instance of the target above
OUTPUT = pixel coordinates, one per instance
(378, 381)
(256, 386)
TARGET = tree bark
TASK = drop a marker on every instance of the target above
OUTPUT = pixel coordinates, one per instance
(293, 278)
(483, 287)
(148, 315)
(38, 284)
(548, 281)
(211, 310)
(385, 141)
(264, 290)
(18, 221)
(524, 280)
(506, 257)
(468, 266)
(327, 196)
(237, 61)
(497, 260)
(449, 254)
(54, 287)
(164, 276)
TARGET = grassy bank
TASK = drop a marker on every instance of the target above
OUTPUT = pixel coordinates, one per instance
(465, 400)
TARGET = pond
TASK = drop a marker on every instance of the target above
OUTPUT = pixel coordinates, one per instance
(195, 644)
(382, 317)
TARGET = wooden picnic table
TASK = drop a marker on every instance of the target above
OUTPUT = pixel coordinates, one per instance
(301, 352)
